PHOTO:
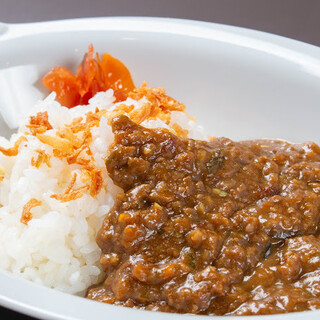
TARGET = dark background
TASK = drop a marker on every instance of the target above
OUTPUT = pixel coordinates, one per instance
(297, 19)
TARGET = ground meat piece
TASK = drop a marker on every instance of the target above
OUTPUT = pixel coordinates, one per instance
(216, 227)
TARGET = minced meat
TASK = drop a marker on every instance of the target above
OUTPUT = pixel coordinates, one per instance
(218, 228)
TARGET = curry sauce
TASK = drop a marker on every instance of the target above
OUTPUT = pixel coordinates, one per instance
(217, 228)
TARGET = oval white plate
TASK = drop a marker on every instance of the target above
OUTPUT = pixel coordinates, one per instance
(238, 83)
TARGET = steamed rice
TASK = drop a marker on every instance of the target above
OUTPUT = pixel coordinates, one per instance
(56, 247)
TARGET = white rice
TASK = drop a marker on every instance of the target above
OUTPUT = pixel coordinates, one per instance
(57, 248)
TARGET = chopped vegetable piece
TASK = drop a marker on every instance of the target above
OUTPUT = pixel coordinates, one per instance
(220, 192)
(93, 75)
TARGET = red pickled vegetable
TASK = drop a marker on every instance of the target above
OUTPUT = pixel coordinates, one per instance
(93, 75)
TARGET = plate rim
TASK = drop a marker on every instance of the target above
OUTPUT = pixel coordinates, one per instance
(299, 52)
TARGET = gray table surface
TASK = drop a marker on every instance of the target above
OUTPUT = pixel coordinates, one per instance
(297, 19)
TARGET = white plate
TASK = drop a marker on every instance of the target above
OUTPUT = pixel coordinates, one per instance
(238, 83)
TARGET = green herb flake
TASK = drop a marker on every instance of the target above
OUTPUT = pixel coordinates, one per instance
(192, 261)
(216, 161)
(219, 192)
